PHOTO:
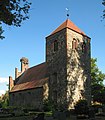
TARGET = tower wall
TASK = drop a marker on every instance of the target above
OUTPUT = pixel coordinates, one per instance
(78, 68)
(56, 61)
(68, 68)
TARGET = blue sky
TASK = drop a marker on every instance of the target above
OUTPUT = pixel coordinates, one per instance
(45, 16)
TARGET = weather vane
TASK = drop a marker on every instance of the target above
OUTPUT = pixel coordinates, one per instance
(67, 12)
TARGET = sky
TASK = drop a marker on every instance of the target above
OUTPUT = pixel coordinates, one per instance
(45, 16)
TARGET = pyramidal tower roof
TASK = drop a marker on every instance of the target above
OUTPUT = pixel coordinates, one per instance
(68, 24)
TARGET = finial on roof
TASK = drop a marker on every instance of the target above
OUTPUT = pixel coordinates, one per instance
(67, 12)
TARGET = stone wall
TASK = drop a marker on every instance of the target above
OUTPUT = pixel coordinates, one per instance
(68, 68)
(78, 68)
(56, 61)
(45, 91)
(32, 98)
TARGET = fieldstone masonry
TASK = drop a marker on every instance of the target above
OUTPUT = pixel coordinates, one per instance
(68, 68)
(78, 68)
(28, 98)
(57, 61)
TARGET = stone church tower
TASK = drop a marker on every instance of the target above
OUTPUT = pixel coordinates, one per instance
(68, 59)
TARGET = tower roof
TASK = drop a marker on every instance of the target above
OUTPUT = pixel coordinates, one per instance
(68, 24)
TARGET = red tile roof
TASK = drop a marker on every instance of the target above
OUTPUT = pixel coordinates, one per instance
(68, 24)
(32, 78)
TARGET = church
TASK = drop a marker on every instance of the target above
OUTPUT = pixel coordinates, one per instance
(64, 77)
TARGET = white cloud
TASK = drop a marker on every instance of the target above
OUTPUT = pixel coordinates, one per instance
(2, 92)
(3, 85)
(4, 80)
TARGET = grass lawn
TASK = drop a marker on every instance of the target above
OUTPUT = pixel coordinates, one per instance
(46, 118)
(18, 118)
(100, 118)
(31, 118)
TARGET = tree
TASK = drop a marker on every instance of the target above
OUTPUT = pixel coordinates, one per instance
(97, 92)
(97, 77)
(103, 10)
(4, 101)
(97, 86)
(13, 12)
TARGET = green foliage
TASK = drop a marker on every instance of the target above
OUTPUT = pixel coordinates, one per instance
(104, 9)
(102, 96)
(0, 104)
(97, 77)
(13, 12)
(97, 86)
(4, 102)
(96, 108)
(81, 107)
(1, 32)
(96, 91)
(48, 106)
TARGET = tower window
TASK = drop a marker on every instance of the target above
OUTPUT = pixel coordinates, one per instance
(74, 44)
(55, 96)
(55, 78)
(84, 47)
(55, 45)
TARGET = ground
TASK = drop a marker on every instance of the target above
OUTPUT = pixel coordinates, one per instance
(47, 118)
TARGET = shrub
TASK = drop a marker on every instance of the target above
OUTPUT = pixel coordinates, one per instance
(48, 106)
(0, 105)
(81, 107)
(96, 107)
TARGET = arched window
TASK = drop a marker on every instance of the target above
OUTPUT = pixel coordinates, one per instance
(74, 44)
(55, 77)
(55, 45)
(55, 96)
(84, 50)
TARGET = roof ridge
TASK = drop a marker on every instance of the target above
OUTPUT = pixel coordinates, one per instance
(37, 65)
